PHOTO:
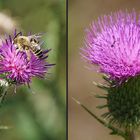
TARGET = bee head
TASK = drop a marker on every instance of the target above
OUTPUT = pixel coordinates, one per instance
(34, 40)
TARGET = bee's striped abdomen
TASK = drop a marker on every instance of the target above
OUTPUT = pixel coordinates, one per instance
(39, 53)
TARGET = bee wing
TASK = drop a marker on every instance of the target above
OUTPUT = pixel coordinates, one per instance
(41, 43)
(38, 47)
(35, 47)
(38, 35)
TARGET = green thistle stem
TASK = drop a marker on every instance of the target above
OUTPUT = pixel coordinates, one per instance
(3, 96)
(131, 135)
(3, 91)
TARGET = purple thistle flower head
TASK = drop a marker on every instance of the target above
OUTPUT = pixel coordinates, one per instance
(15, 66)
(113, 43)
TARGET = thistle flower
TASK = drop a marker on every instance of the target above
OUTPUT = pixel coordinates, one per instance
(113, 43)
(16, 68)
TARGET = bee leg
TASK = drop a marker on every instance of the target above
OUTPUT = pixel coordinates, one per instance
(19, 49)
(28, 54)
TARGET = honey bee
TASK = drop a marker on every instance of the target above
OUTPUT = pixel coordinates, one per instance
(27, 44)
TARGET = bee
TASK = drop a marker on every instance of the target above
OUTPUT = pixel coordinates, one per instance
(28, 44)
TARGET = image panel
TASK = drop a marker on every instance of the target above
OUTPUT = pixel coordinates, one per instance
(33, 69)
(104, 91)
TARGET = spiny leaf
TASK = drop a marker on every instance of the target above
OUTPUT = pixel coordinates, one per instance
(105, 87)
(105, 115)
(106, 78)
(99, 96)
(114, 130)
(101, 106)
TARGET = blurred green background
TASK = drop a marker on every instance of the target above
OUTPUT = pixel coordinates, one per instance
(82, 126)
(38, 116)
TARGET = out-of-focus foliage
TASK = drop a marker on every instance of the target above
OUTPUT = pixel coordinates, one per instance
(39, 116)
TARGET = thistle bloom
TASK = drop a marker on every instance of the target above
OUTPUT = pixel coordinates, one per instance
(15, 66)
(113, 43)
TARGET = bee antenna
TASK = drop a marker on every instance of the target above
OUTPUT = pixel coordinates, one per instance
(20, 33)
